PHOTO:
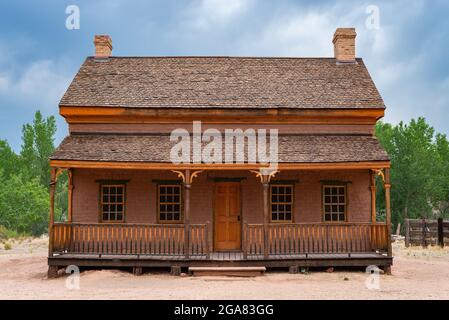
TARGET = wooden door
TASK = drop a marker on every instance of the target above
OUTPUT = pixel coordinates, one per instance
(227, 221)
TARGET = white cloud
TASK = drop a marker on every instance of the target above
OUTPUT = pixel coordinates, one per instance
(206, 13)
(41, 85)
(308, 34)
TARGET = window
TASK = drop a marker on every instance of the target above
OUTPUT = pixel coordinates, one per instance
(112, 203)
(334, 203)
(169, 203)
(281, 202)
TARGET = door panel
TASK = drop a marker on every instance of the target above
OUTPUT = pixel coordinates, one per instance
(227, 224)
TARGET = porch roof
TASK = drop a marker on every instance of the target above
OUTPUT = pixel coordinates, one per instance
(156, 148)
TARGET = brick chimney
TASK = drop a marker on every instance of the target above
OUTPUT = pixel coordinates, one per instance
(344, 45)
(103, 46)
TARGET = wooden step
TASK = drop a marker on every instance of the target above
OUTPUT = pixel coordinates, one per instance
(228, 271)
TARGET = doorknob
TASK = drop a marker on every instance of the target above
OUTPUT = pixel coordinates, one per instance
(238, 218)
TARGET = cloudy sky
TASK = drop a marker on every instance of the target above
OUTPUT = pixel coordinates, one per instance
(406, 49)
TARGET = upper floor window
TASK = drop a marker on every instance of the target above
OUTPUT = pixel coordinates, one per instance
(334, 203)
(281, 202)
(169, 202)
(113, 203)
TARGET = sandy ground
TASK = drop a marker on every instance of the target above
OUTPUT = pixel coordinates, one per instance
(417, 274)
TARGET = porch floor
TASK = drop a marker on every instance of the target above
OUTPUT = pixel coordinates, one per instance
(233, 258)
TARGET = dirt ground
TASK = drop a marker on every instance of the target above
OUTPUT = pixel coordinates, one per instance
(417, 274)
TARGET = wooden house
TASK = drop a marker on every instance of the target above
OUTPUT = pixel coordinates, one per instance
(130, 205)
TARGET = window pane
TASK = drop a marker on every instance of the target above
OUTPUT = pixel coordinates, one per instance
(342, 217)
(112, 203)
(169, 202)
(281, 202)
(327, 217)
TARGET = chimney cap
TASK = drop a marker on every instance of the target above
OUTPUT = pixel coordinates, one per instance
(344, 33)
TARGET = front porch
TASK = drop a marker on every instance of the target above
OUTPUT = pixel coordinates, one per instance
(159, 245)
(225, 218)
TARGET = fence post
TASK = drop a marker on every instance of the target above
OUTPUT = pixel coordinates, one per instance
(440, 233)
(424, 233)
(407, 233)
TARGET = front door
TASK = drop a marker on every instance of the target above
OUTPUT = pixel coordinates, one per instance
(227, 224)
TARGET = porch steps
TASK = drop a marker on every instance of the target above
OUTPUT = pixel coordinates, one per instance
(227, 271)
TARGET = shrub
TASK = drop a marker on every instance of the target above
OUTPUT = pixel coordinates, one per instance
(24, 205)
(7, 234)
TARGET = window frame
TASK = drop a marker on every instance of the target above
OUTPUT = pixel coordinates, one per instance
(123, 203)
(292, 203)
(181, 203)
(323, 202)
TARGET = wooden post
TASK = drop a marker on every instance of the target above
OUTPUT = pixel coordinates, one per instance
(209, 239)
(244, 244)
(440, 233)
(424, 233)
(387, 186)
(52, 210)
(407, 233)
(187, 186)
(373, 197)
(265, 218)
(70, 192)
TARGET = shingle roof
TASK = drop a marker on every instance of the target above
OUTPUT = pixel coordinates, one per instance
(222, 82)
(156, 148)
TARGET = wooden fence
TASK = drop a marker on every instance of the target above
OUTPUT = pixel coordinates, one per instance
(424, 232)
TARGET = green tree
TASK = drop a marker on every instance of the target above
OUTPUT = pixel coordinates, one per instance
(440, 182)
(8, 159)
(37, 146)
(24, 204)
(412, 151)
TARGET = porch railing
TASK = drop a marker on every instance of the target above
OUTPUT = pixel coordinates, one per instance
(139, 239)
(169, 239)
(300, 238)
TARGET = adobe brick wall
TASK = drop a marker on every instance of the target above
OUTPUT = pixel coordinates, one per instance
(141, 194)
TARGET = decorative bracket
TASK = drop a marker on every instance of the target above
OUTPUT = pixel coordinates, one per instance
(187, 177)
(380, 173)
(194, 175)
(180, 175)
(265, 175)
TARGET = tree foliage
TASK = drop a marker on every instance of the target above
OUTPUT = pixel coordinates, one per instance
(25, 179)
(419, 170)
